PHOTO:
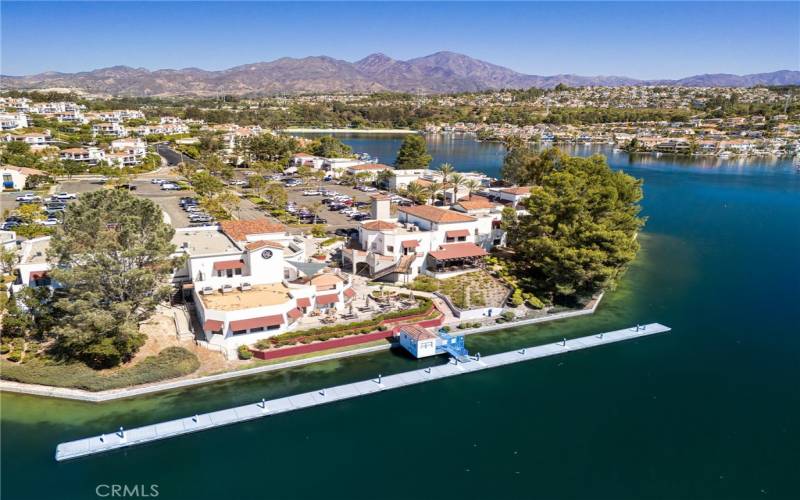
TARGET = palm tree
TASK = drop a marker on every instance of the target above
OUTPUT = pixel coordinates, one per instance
(446, 170)
(416, 193)
(472, 185)
(434, 188)
(457, 180)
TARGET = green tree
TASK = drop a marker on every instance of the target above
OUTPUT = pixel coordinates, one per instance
(112, 257)
(457, 181)
(525, 167)
(417, 193)
(205, 184)
(580, 231)
(275, 195)
(413, 153)
(330, 147)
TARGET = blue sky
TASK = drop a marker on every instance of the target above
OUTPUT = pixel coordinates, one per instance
(637, 39)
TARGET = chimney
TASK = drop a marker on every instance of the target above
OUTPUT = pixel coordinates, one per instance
(381, 206)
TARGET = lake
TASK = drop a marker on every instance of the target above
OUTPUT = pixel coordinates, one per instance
(708, 411)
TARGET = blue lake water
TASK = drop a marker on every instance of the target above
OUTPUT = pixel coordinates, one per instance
(708, 411)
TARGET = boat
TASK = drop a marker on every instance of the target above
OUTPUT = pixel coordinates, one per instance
(796, 161)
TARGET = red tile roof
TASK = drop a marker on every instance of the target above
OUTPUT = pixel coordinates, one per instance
(458, 251)
(262, 322)
(378, 225)
(476, 203)
(410, 244)
(324, 300)
(228, 264)
(303, 302)
(435, 214)
(238, 230)
(294, 313)
(417, 332)
(519, 190)
(263, 243)
(213, 325)
(458, 233)
(349, 293)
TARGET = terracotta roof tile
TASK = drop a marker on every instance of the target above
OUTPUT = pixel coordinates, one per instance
(417, 332)
(263, 243)
(378, 225)
(458, 251)
(519, 190)
(238, 230)
(435, 214)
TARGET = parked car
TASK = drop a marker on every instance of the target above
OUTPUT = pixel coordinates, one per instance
(237, 182)
(158, 181)
(129, 187)
(311, 192)
(28, 197)
(51, 221)
(65, 196)
(168, 186)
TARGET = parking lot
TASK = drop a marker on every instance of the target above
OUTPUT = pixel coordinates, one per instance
(334, 219)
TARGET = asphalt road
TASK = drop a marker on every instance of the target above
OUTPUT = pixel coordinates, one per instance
(173, 157)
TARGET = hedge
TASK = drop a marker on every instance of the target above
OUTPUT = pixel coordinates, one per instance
(172, 362)
(337, 331)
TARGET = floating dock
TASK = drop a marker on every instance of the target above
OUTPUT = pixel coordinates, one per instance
(123, 438)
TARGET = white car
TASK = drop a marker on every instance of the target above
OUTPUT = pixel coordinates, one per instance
(52, 221)
(158, 181)
(311, 192)
(65, 196)
(168, 186)
(237, 182)
(29, 197)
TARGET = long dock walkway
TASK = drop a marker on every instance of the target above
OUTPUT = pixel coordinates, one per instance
(129, 437)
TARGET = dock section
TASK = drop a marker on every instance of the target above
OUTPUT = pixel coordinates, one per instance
(128, 437)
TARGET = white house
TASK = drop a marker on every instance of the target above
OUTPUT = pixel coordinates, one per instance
(13, 121)
(338, 166)
(32, 138)
(245, 280)
(132, 145)
(33, 266)
(91, 155)
(422, 239)
(14, 178)
(112, 128)
(369, 171)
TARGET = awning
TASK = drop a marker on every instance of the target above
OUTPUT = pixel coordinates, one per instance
(228, 264)
(349, 293)
(37, 275)
(294, 313)
(303, 302)
(187, 286)
(410, 244)
(213, 325)
(324, 300)
(459, 233)
(262, 322)
(458, 251)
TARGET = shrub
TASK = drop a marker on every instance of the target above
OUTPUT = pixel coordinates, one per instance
(516, 298)
(507, 315)
(244, 352)
(424, 283)
(170, 363)
(445, 329)
(318, 231)
(5, 349)
(533, 301)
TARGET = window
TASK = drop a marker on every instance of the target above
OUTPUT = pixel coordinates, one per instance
(449, 239)
(230, 273)
(273, 327)
(256, 330)
(462, 238)
(239, 332)
(6, 177)
(238, 272)
(390, 248)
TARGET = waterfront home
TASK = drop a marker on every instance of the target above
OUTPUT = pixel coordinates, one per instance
(249, 280)
(422, 239)
(513, 195)
(307, 160)
(336, 167)
(418, 341)
(14, 178)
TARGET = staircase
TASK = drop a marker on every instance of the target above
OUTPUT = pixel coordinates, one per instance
(401, 266)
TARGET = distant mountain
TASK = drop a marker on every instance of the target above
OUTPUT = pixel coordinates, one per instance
(437, 73)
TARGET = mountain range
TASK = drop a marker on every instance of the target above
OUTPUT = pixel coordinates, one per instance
(441, 72)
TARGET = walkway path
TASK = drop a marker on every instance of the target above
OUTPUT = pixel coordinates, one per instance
(124, 438)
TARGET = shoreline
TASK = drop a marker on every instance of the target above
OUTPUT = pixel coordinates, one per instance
(115, 394)
(305, 130)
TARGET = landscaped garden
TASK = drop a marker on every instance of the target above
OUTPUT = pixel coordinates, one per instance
(471, 290)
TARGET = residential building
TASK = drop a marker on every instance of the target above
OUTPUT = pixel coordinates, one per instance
(14, 121)
(249, 280)
(14, 178)
(112, 128)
